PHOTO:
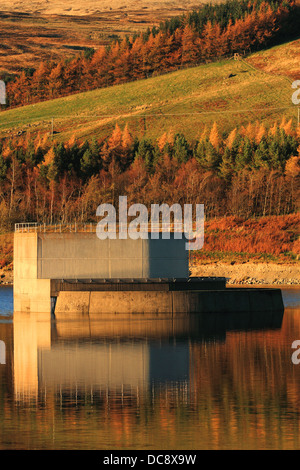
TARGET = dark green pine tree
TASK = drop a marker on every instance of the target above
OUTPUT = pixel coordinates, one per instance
(244, 155)
(181, 149)
(261, 155)
(59, 165)
(145, 150)
(207, 156)
(227, 164)
(3, 168)
(90, 161)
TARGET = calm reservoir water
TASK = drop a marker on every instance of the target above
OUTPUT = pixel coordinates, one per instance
(199, 382)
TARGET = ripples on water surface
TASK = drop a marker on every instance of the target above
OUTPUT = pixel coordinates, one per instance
(200, 382)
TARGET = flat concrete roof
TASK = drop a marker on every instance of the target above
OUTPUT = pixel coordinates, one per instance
(127, 284)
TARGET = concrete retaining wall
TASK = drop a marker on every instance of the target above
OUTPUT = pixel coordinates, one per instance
(95, 304)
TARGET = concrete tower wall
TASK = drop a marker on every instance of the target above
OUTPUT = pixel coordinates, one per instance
(84, 256)
(30, 293)
(40, 257)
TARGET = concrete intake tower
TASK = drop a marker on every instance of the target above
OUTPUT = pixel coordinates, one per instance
(74, 274)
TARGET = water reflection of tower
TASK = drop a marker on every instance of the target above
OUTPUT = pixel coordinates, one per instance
(32, 333)
(109, 357)
(125, 357)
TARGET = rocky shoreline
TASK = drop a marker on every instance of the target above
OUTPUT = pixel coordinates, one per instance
(6, 276)
(252, 273)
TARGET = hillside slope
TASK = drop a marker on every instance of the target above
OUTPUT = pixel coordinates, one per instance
(279, 60)
(229, 92)
(75, 7)
(28, 39)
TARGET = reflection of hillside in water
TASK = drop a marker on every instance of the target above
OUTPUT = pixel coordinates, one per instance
(193, 382)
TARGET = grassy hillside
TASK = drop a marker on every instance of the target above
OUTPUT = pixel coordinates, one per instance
(228, 92)
(279, 60)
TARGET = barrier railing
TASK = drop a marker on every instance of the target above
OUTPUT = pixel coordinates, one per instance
(25, 227)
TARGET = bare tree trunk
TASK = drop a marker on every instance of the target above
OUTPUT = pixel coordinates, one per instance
(266, 198)
(36, 201)
(12, 189)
